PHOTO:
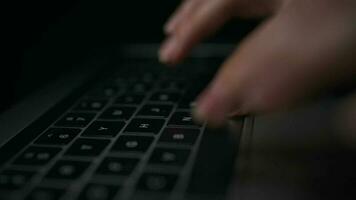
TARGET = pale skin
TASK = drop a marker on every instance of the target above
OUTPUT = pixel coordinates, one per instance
(303, 47)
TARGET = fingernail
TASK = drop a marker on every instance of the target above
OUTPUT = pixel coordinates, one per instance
(198, 111)
(198, 115)
(202, 115)
(168, 28)
(210, 108)
(167, 51)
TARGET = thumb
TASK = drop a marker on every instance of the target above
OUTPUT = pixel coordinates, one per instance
(280, 64)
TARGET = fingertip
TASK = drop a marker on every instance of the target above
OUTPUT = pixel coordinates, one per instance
(200, 117)
(161, 57)
(164, 52)
(168, 28)
(210, 110)
(170, 52)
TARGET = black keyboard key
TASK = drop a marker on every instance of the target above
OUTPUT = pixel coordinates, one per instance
(117, 166)
(14, 179)
(188, 100)
(186, 103)
(87, 147)
(185, 136)
(67, 169)
(127, 143)
(149, 77)
(118, 113)
(44, 193)
(95, 191)
(141, 125)
(156, 182)
(182, 119)
(58, 136)
(139, 87)
(169, 156)
(36, 156)
(174, 85)
(155, 110)
(165, 97)
(104, 92)
(120, 79)
(104, 129)
(133, 99)
(90, 105)
(75, 120)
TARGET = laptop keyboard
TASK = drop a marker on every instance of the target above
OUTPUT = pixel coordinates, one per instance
(130, 136)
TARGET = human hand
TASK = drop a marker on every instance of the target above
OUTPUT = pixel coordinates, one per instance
(301, 49)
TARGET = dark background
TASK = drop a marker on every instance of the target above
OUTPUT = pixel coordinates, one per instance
(45, 38)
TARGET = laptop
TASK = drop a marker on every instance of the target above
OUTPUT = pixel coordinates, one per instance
(116, 124)
(125, 132)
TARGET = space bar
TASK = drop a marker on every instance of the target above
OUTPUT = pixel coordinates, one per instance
(214, 165)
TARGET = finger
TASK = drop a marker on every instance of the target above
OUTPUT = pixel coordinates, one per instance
(204, 22)
(242, 8)
(257, 8)
(185, 10)
(281, 63)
